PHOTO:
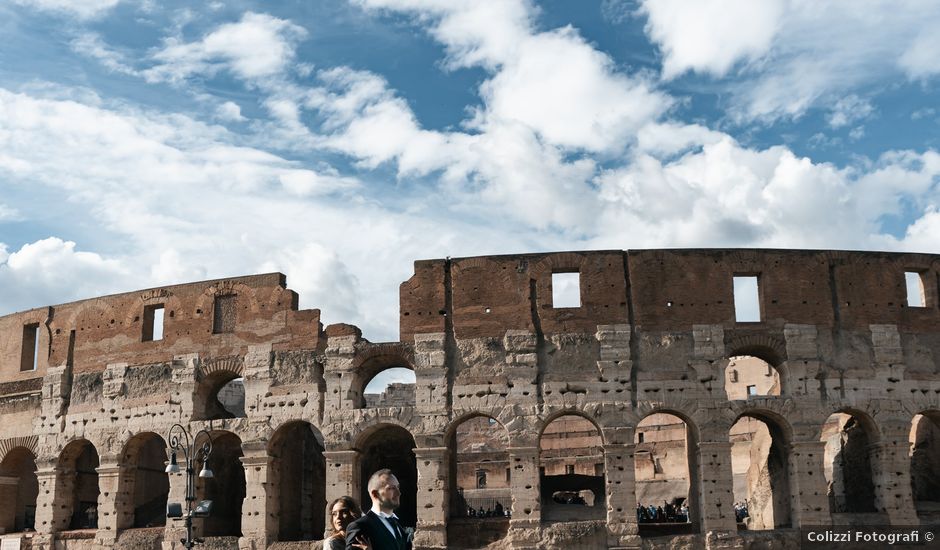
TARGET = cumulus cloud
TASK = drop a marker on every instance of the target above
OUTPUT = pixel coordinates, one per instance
(255, 47)
(37, 271)
(711, 36)
(230, 111)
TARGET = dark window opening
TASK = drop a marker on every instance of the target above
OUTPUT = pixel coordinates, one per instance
(153, 323)
(30, 357)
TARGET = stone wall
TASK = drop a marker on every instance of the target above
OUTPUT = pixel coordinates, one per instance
(654, 334)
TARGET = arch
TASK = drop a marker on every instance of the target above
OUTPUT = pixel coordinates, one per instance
(666, 471)
(850, 435)
(19, 488)
(298, 481)
(748, 376)
(226, 488)
(571, 468)
(760, 458)
(387, 445)
(397, 385)
(925, 463)
(763, 346)
(375, 359)
(555, 415)
(219, 395)
(77, 477)
(478, 448)
(145, 485)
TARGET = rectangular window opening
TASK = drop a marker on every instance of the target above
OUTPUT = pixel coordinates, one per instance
(508, 475)
(30, 357)
(746, 299)
(153, 323)
(640, 437)
(916, 295)
(223, 319)
(566, 290)
(569, 469)
(751, 390)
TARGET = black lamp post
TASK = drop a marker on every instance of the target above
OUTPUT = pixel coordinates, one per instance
(192, 454)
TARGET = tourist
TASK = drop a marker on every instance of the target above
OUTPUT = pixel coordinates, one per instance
(380, 525)
(343, 511)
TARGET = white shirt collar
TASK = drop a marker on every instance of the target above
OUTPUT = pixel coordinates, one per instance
(381, 514)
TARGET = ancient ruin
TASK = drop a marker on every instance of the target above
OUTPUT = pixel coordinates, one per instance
(705, 398)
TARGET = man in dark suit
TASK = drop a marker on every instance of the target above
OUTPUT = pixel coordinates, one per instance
(380, 526)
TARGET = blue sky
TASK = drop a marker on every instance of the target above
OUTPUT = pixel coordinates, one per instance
(145, 143)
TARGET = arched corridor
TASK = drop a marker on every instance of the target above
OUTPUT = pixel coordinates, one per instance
(18, 491)
(299, 476)
(391, 447)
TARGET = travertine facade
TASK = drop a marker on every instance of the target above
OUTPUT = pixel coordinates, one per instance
(89, 390)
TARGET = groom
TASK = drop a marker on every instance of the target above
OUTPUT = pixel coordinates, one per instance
(380, 525)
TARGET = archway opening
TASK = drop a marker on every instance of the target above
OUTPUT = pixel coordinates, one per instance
(148, 486)
(759, 462)
(392, 447)
(226, 489)
(219, 396)
(299, 475)
(925, 466)
(19, 488)
(749, 376)
(848, 464)
(664, 464)
(78, 473)
(571, 470)
(481, 497)
(391, 387)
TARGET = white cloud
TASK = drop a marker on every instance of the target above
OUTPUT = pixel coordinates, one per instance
(257, 46)
(848, 110)
(922, 58)
(711, 36)
(91, 45)
(8, 213)
(35, 272)
(782, 57)
(230, 111)
(81, 9)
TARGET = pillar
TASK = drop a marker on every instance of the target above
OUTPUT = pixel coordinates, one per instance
(433, 498)
(716, 496)
(47, 503)
(109, 475)
(809, 491)
(175, 528)
(891, 474)
(259, 517)
(526, 508)
(342, 478)
(620, 477)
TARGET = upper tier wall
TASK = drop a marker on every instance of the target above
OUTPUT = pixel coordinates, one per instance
(90, 334)
(661, 290)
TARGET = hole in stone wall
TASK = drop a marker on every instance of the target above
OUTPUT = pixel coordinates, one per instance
(914, 281)
(393, 387)
(153, 323)
(748, 376)
(663, 475)
(566, 290)
(570, 488)
(480, 484)
(746, 299)
(29, 359)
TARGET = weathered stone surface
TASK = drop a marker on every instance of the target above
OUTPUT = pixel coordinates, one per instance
(655, 334)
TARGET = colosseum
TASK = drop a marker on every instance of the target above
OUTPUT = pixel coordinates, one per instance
(604, 399)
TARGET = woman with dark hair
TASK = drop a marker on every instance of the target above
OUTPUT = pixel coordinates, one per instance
(343, 511)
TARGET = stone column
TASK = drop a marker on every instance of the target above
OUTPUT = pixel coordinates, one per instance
(342, 477)
(716, 497)
(526, 508)
(259, 519)
(433, 498)
(808, 488)
(48, 502)
(891, 474)
(620, 476)
(109, 475)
